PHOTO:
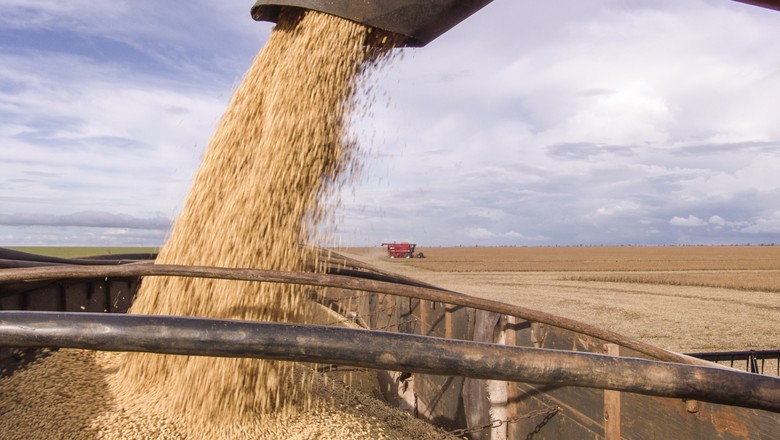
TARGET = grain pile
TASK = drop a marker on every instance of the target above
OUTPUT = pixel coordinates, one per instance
(69, 395)
(280, 149)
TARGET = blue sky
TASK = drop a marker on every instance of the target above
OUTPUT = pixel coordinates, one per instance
(531, 123)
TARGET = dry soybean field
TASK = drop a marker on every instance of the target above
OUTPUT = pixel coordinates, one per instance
(681, 298)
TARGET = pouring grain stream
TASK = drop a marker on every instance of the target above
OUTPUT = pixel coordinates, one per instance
(278, 152)
(280, 148)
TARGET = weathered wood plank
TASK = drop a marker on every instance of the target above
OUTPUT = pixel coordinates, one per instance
(12, 301)
(439, 399)
(48, 298)
(449, 310)
(424, 328)
(475, 398)
(498, 393)
(566, 424)
(513, 406)
(647, 417)
(76, 296)
(120, 295)
(612, 404)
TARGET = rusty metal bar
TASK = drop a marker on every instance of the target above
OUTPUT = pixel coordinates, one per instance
(385, 350)
(10, 258)
(344, 282)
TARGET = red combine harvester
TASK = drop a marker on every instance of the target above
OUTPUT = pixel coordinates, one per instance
(402, 250)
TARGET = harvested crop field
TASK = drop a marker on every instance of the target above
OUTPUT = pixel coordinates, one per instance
(684, 299)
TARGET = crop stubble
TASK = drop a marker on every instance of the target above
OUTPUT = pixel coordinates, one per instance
(685, 299)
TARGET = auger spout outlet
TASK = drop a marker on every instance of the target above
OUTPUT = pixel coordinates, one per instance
(418, 21)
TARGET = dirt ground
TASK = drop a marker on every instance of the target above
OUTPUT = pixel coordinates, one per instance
(678, 318)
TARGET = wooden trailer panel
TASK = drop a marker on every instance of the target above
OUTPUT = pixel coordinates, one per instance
(584, 413)
(591, 413)
(528, 410)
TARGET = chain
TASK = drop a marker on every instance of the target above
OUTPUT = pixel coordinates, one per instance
(548, 413)
(541, 424)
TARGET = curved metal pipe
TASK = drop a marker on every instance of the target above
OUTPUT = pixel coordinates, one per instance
(343, 282)
(420, 21)
(385, 350)
(10, 258)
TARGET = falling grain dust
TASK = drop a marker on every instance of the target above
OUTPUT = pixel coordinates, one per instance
(280, 149)
(255, 199)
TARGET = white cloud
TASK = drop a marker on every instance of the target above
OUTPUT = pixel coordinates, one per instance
(480, 233)
(765, 225)
(652, 70)
(717, 220)
(574, 122)
(487, 213)
(687, 222)
(619, 207)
